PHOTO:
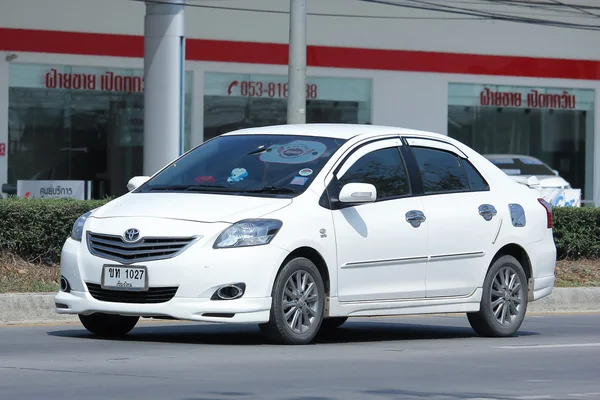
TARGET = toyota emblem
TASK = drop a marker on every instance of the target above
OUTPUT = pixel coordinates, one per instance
(131, 235)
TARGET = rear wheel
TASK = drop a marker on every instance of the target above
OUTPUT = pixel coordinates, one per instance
(107, 325)
(297, 305)
(504, 300)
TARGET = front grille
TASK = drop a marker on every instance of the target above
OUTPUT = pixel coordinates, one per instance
(147, 249)
(153, 295)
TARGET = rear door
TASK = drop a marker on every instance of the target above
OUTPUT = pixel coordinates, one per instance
(463, 215)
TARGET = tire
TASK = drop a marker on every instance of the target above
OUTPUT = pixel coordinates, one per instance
(277, 329)
(332, 323)
(485, 322)
(109, 326)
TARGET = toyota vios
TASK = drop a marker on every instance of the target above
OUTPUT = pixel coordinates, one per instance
(297, 228)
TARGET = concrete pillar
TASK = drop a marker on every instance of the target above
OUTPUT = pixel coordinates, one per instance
(4, 79)
(164, 60)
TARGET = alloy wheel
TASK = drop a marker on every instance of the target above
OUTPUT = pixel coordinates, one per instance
(506, 296)
(300, 302)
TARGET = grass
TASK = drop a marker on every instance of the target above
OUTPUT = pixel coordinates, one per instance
(578, 273)
(20, 276)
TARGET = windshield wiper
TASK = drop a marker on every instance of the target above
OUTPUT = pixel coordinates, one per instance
(185, 187)
(202, 187)
(272, 189)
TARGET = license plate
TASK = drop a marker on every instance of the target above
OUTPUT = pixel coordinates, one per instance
(118, 277)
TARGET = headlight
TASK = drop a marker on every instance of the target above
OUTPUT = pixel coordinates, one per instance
(77, 231)
(251, 232)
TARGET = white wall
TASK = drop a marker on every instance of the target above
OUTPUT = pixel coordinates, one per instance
(414, 100)
(466, 36)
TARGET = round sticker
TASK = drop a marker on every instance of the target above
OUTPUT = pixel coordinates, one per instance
(296, 152)
(305, 172)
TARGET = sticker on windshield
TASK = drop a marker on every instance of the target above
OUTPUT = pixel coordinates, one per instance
(512, 171)
(237, 175)
(305, 172)
(296, 152)
(299, 180)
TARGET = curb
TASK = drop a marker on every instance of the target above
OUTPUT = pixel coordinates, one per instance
(38, 308)
(568, 300)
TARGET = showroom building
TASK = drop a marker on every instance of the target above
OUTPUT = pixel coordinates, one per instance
(71, 83)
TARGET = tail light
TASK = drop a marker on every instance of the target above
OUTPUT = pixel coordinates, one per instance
(548, 208)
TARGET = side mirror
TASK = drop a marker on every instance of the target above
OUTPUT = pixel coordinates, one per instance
(555, 172)
(136, 182)
(358, 193)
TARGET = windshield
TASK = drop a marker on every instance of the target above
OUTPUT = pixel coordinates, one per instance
(522, 166)
(247, 164)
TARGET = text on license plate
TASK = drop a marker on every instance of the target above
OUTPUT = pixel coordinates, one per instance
(115, 277)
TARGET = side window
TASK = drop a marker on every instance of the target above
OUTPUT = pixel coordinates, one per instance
(441, 171)
(382, 168)
(476, 181)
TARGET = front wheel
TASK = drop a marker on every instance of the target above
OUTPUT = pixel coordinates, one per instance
(107, 325)
(504, 300)
(297, 305)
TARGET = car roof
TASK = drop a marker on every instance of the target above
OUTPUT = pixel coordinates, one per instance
(333, 130)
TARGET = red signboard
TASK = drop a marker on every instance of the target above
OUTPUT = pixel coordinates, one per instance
(2, 149)
(533, 99)
(267, 89)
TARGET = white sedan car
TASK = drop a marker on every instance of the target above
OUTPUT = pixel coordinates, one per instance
(298, 227)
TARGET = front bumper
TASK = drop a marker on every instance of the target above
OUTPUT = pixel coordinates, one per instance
(250, 310)
(185, 283)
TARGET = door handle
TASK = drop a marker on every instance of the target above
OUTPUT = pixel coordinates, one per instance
(415, 218)
(487, 211)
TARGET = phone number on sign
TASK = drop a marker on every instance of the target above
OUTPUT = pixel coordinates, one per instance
(269, 89)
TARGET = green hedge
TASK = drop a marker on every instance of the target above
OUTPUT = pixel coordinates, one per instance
(577, 232)
(36, 229)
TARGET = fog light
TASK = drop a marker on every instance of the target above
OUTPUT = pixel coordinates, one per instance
(64, 285)
(229, 292)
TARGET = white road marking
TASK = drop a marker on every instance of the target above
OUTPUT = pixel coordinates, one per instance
(548, 346)
(544, 396)
(549, 396)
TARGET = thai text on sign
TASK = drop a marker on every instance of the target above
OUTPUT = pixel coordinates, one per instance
(2, 149)
(107, 81)
(532, 99)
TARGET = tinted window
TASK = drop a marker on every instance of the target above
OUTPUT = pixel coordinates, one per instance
(476, 181)
(441, 171)
(265, 165)
(382, 168)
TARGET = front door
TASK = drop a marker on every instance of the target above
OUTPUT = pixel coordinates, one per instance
(382, 253)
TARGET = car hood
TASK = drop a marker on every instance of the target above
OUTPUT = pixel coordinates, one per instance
(190, 206)
(546, 181)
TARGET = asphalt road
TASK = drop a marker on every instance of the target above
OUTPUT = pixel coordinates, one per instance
(553, 357)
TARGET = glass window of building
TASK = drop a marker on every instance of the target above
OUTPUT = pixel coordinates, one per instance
(234, 101)
(554, 125)
(79, 123)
